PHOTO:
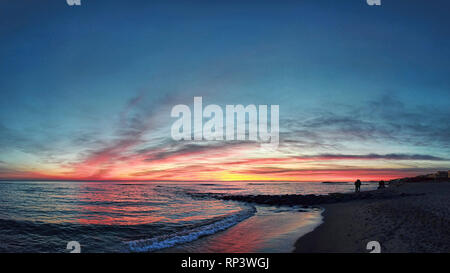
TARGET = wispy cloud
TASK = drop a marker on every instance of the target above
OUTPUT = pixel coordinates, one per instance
(384, 120)
(375, 157)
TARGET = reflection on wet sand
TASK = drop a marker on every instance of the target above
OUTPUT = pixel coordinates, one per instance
(270, 230)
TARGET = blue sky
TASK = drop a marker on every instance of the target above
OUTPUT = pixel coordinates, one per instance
(350, 79)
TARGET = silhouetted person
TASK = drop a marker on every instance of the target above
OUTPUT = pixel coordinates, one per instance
(358, 185)
(381, 184)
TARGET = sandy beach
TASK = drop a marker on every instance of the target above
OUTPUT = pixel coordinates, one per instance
(416, 220)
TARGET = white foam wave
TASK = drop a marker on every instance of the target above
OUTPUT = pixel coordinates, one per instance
(161, 242)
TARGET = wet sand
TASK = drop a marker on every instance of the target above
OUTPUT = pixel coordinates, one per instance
(271, 229)
(416, 220)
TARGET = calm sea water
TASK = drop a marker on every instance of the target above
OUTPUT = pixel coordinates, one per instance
(40, 216)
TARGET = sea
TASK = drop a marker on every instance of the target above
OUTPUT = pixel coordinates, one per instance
(44, 216)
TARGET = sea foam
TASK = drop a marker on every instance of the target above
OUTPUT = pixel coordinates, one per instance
(177, 238)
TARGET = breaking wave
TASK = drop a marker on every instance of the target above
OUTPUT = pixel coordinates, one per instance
(177, 238)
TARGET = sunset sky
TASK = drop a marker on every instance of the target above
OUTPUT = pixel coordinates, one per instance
(86, 92)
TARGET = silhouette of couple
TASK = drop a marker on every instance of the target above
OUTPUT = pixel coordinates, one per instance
(358, 185)
(381, 185)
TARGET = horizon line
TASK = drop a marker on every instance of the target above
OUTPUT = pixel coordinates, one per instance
(131, 180)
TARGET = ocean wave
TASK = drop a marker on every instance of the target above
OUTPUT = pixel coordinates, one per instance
(166, 241)
(225, 189)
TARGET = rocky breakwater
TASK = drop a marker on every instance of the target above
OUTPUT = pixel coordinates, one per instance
(308, 199)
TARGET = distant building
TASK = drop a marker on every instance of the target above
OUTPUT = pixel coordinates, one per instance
(442, 174)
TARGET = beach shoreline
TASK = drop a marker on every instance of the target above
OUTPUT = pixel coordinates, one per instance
(410, 215)
(415, 221)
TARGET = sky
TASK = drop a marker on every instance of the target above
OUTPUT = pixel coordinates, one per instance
(86, 91)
